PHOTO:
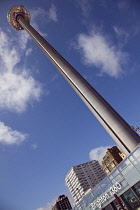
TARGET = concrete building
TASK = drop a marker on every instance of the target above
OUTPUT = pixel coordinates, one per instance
(62, 203)
(84, 177)
(112, 158)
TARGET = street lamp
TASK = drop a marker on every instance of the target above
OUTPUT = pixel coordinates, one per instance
(114, 124)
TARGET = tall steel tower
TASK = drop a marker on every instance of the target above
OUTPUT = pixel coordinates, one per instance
(125, 137)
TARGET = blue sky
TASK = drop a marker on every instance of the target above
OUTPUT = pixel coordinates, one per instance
(45, 128)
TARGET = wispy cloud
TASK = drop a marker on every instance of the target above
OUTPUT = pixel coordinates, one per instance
(98, 153)
(84, 5)
(97, 50)
(55, 77)
(122, 35)
(124, 4)
(43, 15)
(53, 13)
(28, 51)
(23, 39)
(38, 15)
(34, 146)
(9, 136)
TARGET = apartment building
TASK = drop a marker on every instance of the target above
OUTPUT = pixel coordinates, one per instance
(83, 177)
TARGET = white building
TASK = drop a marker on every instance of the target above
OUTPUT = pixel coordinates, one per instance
(84, 177)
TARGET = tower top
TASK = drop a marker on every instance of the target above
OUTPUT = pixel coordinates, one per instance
(14, 13)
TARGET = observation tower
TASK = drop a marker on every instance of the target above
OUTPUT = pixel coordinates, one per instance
(125, 137)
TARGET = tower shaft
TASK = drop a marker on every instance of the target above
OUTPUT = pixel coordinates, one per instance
(126, 138)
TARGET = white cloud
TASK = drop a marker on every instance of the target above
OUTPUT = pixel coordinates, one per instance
(98, 153)
(9, 136)
(53, 13)
(17, 90)
(98, 51)
(17, 87)
(9, 56)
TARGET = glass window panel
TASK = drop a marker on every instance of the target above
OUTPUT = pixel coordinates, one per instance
(124, 186)
(105, 184)
(96, 191)
(83, 203)
(79, 206)
(116, 206)
(90, 198)
(136, 189)
(134, 160)
(126, 167)
(138, 166)
(132, 177)
(136, 153)
(117, 178)
(130, 200)
(113, 174)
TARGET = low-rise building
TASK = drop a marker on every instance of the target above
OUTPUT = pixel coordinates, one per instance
(112, 158)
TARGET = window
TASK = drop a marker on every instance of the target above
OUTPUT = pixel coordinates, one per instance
(136, 189)
(112, 164)
(130, 200)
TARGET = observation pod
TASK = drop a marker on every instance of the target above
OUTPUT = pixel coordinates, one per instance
(125, 137)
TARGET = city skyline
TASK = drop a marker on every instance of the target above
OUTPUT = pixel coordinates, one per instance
(45, 128)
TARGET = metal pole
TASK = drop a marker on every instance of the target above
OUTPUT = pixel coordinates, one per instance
(115, 125)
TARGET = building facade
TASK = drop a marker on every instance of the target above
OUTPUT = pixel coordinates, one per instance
(84, 177)
(120, 187)
(62, 203)
(112, 158)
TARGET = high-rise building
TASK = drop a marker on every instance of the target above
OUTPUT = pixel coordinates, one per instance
(62, 203)
(112, 158)
(83, 177)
